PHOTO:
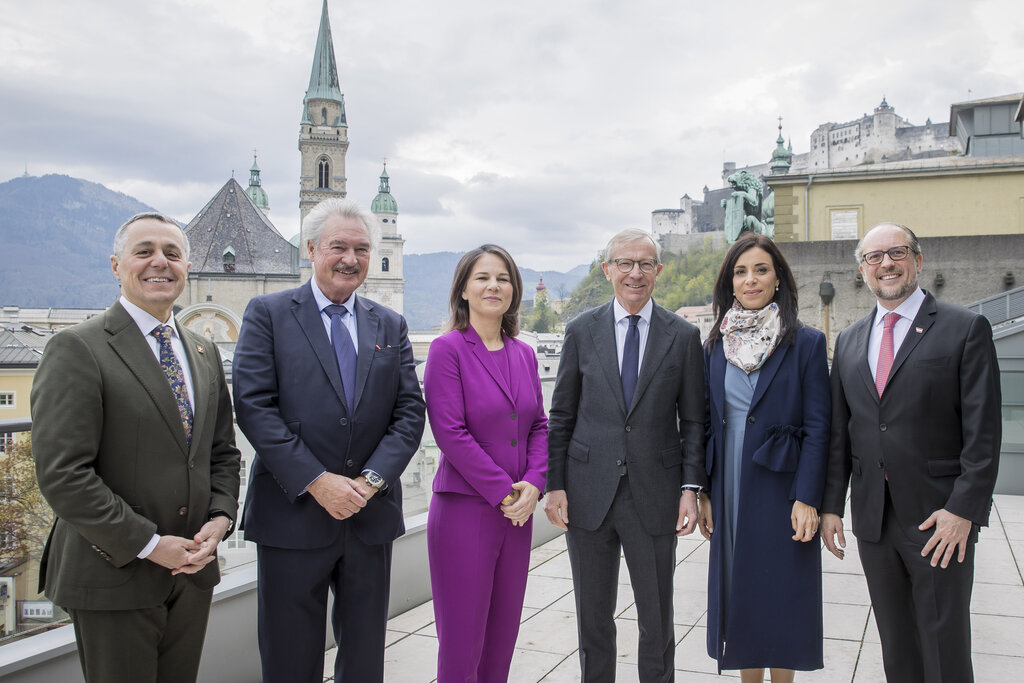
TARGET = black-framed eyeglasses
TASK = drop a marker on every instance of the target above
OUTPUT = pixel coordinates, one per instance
(873, 258)
(625, 265)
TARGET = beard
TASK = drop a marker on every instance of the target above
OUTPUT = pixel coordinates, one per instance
(896, 291)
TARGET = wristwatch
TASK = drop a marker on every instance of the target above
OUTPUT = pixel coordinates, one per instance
(374, 479)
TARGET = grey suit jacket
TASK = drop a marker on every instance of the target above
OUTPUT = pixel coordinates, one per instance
(112, 461)
(592, 432)
(935, 431)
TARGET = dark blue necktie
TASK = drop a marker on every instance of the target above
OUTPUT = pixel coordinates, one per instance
(344, 350)
(631, 360)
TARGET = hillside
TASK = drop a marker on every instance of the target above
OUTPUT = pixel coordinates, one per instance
(56, 233)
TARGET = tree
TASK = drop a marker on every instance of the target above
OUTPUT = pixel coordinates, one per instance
(543, 318)
(25, 517)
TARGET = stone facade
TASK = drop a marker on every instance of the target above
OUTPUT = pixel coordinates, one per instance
(959, 270)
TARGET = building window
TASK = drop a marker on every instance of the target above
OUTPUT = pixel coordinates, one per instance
(229, 260)
(323, 116)
(323, 174)
(7, 399)
(6, 441)
(385, 265)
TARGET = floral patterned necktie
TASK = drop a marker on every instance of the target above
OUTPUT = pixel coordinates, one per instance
(169, 364)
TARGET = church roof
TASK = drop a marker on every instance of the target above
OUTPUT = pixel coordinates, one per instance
(323, 79)
(384, 202)
(231, 224)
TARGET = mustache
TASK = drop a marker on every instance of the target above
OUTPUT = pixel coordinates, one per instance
(347, 270)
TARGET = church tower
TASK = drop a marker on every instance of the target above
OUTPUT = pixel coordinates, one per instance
(385, 283)
(323, 131)
(255, 190)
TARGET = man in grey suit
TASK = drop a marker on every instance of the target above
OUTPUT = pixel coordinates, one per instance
(135, 452)
(626, 457)
(916, 432)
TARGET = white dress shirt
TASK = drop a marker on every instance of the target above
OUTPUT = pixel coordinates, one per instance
(622, 327)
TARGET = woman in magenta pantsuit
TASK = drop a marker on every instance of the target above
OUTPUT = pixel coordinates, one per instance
(487, 415)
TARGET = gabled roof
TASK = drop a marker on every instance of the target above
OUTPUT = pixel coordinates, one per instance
(231, 223)
(22, 346)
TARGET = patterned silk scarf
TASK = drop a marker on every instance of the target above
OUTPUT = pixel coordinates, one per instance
(750, 336)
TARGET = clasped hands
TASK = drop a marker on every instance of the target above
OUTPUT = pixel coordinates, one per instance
(340, 496)
(520, 503)
(189, 555)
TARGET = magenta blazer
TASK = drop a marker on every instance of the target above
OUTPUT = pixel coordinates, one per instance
(491, 435)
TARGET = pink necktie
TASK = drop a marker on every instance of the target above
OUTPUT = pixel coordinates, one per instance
(885, 352)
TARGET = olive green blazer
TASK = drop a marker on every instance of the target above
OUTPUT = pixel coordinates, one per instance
(112, 461)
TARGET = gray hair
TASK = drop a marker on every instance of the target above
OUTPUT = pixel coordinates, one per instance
(121, 236)
(912, 242)
(313, 224)
(630, 235)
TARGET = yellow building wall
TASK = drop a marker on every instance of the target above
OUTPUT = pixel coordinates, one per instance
(949, 204)
(20, 382)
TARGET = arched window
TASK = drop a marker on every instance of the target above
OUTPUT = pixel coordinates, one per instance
(385, 265)
(323, 116)
(323, 174)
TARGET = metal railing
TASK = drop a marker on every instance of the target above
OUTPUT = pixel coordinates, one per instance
(1001, 307)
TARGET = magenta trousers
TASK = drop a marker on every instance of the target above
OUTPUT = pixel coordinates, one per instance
(478, 567)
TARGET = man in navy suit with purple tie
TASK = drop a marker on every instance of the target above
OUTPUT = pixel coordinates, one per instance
(326, 392)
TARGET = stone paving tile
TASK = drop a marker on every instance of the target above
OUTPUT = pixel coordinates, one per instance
(542, 591)
(998, 599)
(569, 672)
(411, 660)
(849, 589)
(1014, 530)
(557, 566)
(549, 631)
(995, 635)
(998, 667)
(530, 666)
(845, 622)
(869, 664)
(414, 619)
(692, 653)
(840, 662)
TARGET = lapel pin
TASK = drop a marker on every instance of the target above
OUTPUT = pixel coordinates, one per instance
(919, 330)
(200, 349)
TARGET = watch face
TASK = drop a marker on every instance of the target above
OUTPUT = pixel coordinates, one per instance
(374, 480)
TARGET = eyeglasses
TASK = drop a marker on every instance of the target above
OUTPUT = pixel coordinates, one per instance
(873, 258)
(625, 265)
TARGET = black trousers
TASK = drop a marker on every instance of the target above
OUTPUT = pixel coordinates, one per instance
(159, 644)
(594, 557)
(923, 612)
(292, 587)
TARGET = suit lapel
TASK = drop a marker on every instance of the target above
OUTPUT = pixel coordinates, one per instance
(768, 370)
(602, 334)
(311, 322)
(128, 343)
(918, 328)
(367, 322)
(716, 380)
(860, 336)
(487, 360)
(195, 350)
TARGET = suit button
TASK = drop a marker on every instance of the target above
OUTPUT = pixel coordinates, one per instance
(619, 463)
(751, 419)
(883, 426)
(512, 416)
(628, 428)
(881, 464)
(191, 465)
(350, 463)
(182, 511)
(723, 421)
(513, 442)
(344, 422)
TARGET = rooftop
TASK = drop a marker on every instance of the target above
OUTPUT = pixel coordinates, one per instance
(546, 650)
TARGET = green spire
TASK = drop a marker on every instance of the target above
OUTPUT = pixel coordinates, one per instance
(256, 193)
(323, 78)
(384, 202)
(780, 157)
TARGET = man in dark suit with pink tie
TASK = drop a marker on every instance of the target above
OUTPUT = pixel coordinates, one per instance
(916, 432)
(326, 392)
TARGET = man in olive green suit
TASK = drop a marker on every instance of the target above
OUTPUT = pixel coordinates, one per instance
(135, 452)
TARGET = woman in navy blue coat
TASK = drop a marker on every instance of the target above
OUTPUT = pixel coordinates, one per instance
(768, 407)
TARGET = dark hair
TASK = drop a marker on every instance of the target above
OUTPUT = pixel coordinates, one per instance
(459, 307)
(785, 297)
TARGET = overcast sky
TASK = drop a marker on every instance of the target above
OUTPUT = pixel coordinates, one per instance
(544, 126)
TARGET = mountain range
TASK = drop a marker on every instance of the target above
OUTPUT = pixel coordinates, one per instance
(56, 233)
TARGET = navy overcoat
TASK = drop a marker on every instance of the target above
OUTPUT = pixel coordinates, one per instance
(774, 616)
